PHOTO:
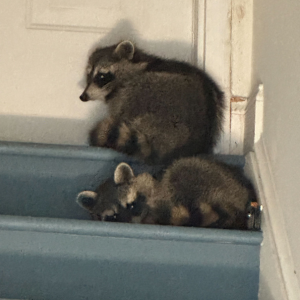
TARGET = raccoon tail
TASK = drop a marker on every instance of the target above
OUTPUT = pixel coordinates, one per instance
(215, 111)
(121, 137)
(133, 142)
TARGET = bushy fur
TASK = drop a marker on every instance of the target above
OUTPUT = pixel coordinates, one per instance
(159, 109)
(193, 191)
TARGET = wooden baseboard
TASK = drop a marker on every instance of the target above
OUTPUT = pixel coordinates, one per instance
(277, 276)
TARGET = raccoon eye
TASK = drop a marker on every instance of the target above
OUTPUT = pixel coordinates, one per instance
(137, 202)
(140, 198)
(131, 205)
(101, 79)
(111, 218)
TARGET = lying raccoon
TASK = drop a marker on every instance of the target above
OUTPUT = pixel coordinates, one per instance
(159, 109)
(192, 192)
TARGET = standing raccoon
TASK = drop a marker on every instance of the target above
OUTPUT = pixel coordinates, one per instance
(158, 109)
(194, 191)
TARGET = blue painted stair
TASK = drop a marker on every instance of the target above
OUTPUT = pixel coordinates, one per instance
(50, 249)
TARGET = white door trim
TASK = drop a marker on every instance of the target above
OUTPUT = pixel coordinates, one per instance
(214, 53)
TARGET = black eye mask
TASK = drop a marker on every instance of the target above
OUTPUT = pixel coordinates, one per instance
(123, 215)
(101, 79)
(113, 218)
(137, 206)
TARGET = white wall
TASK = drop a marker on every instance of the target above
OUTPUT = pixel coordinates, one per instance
(276, 63)
(44, 47)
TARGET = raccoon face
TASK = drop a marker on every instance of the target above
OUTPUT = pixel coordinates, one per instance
(122, 199)
(103, 205)
(107, 67)
(100, 84)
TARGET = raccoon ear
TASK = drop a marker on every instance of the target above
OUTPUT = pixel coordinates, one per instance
(123, 173)
(86, 199)
(125, 50)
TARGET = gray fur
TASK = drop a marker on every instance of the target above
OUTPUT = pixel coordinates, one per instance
(104, 204)
(159, 109)
(194, 191)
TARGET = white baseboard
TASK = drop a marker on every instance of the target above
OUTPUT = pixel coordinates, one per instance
(277, 277)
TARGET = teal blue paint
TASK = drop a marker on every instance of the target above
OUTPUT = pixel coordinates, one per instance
(49, 249)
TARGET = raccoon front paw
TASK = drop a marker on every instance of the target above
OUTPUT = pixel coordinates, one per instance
(103, 134)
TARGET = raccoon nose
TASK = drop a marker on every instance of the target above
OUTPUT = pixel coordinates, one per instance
(84, 97)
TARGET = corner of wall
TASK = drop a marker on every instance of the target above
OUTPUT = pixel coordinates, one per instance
(277, 278)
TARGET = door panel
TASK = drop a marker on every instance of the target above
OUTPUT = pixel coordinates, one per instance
(46, 45)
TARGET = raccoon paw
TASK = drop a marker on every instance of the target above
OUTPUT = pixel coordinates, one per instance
(103, 135)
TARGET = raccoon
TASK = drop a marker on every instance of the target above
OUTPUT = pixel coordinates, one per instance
(158, 109)
(103, 204)
(195, 191)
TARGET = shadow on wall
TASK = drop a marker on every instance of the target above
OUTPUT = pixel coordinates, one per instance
(44, 130)
(169, 49)
(125, 31)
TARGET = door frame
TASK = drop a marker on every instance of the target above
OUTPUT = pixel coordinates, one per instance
(223, 47)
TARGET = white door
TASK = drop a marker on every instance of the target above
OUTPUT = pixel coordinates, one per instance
(45, 45)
